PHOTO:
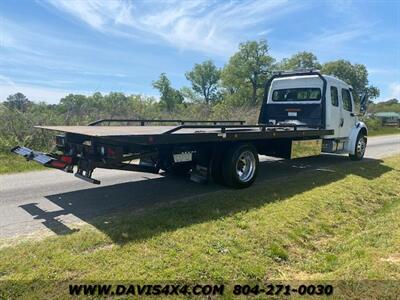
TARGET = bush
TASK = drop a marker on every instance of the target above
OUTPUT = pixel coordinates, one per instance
(17, 127)
(373, 123)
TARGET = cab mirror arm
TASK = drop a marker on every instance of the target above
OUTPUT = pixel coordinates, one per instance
(364, 103)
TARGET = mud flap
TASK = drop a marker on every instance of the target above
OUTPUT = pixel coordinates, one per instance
(87, 178)
(199, 174)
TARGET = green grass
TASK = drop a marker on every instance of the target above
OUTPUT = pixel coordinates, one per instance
(341, 223)
(10, 163)
(383, 131)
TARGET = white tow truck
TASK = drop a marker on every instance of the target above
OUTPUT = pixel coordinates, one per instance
(303, 114)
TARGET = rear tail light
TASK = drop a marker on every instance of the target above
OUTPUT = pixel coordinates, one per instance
(67, 159)
(111, 152)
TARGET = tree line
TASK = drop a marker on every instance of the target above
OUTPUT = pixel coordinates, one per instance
(242, 80)
(234, 91)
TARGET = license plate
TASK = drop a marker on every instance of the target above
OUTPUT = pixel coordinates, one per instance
(183, 157)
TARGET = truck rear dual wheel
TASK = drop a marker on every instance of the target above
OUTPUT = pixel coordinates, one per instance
(240, 166)
(361, 145)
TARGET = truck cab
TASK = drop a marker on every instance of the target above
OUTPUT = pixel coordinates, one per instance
(308, 98)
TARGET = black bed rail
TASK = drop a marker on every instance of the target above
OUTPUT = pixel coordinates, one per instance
(262, 127)
(182, 122)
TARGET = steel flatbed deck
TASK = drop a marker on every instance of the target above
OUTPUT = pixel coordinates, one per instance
(150, 135)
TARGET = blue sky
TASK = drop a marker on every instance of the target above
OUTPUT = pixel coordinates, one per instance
(52, 47)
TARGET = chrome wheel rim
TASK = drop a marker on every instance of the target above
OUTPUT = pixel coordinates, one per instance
(246, 166)
(361, 145)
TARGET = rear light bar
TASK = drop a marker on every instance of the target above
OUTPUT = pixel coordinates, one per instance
(67, 159)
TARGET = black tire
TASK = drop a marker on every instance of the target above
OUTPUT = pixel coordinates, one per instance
(361, 145)
(240, 166)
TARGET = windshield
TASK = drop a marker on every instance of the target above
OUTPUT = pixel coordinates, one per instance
(297, 94)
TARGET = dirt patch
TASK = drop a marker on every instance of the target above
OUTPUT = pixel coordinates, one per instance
(395, 258)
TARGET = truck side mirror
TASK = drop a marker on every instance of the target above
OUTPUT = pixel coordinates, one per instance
(364, 103)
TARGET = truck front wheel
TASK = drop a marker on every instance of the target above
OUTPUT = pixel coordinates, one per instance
(240, 166)
(361, 145)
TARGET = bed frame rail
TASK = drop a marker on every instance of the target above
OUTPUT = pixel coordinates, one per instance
(143, 122)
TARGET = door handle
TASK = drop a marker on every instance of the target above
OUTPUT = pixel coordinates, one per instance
(341, 122)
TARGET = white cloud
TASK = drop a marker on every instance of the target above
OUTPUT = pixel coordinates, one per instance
(6, 80)
(264, 32)
(38, 47)
(394, 89)
(94, 12)
(34, 93)
(384, 71)
(208, 26)
(340, 37)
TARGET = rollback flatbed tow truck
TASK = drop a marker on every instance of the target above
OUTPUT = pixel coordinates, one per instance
(304, 113)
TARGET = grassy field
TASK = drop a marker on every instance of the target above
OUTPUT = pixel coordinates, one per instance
(384, 131)
(341, 223)
(10, 163)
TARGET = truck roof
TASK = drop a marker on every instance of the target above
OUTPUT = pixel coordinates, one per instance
(330, 79)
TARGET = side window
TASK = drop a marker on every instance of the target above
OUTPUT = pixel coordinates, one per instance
(346, 98)
(334, 96)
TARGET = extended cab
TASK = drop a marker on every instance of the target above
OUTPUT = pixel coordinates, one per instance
(320, 101)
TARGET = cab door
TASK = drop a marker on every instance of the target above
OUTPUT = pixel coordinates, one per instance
(333, 113)
(347, 107)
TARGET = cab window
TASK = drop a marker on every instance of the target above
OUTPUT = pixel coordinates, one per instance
(346, 99)
(297, 94)
(334, 96)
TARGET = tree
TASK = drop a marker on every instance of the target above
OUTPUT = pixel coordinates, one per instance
(356, 75)
(248, 70)
(73, 107)
(189, 95)
(301, 60)
(204, 78)
(385, 106)
(373, 92)
(116, 104)
(18, 101)
(170, 97)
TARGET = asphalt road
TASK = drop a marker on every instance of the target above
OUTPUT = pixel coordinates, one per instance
(51, 201)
